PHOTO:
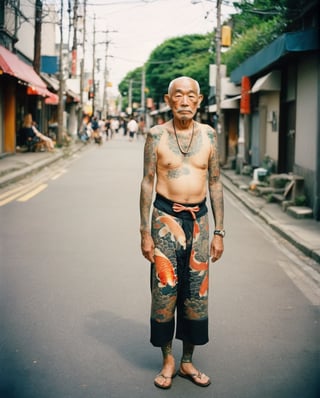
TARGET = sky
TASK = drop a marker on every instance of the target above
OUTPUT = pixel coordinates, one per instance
(136, 27)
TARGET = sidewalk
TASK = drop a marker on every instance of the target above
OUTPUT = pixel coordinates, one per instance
(303, 233)
(17, 166)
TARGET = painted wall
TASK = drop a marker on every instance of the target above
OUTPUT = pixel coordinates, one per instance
(25, 42)
(307, 113)
(271, 101)
(49, 30)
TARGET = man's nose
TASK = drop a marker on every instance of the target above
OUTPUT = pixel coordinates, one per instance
(184, 100)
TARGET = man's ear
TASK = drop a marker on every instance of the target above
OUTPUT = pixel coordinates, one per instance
(200, 98)
(167, 99)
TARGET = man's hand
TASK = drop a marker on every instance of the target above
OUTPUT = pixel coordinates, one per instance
(147, 246)
(216, 248)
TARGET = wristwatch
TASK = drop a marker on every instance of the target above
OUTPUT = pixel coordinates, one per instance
(220, 232)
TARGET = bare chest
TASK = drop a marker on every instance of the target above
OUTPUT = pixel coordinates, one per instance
(183, 151)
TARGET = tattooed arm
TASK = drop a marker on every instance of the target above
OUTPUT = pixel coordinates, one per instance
(216, 197)
(146, 194)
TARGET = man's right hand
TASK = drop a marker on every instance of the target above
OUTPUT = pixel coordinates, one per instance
(147, 246)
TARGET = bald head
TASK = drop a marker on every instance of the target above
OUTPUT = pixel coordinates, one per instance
(184, 98)
(181, 79)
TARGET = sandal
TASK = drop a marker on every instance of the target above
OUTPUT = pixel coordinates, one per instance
(164, 386)
(193, 378)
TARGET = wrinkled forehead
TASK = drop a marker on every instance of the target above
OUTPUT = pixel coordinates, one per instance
(184, 84)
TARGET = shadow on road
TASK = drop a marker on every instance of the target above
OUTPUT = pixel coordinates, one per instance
(126, 336)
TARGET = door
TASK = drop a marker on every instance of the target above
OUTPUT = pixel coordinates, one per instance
(287, 137)
(290, 136)
(255, 140)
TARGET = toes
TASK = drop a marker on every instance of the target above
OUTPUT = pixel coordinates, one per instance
(163, 381)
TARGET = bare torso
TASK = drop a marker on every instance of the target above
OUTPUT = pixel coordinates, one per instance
(182, 177)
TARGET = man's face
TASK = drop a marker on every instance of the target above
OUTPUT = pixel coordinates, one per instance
(183, 99)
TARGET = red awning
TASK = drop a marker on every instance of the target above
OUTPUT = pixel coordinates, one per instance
(12, 65)
(40, 91)
(52, 99)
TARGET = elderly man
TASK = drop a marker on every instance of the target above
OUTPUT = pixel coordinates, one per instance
(181, 158)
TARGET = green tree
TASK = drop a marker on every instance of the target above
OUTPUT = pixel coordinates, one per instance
(186, 55)
(254, 13)
(257, 24)
(250, 42)
(133, 79)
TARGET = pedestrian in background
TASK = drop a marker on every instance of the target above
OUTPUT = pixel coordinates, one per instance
(108, 129)
(115, 126)
(181, 163)
(83, 132)
(132, 128)
(33, 138)
(141, 128)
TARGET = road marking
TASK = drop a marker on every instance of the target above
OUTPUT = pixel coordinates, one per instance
(12, 192)
(33, 193)
(56, 176)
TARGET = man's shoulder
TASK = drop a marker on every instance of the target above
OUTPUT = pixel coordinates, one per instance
(205, 127)
(208, 131)
(159, 129)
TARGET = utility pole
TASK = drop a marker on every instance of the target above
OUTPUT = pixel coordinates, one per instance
(69, 25)
(61, 81)
(106, 73)
(83, 54)
(143, 91)
(218, 59)
(74, 44)
(130, 97)
(37, 36)
(94, 65)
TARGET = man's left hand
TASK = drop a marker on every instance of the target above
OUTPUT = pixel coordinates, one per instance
(216, 248)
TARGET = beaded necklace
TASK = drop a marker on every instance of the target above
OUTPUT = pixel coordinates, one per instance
(186, 152)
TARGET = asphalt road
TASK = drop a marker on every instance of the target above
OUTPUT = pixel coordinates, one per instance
(74, 296)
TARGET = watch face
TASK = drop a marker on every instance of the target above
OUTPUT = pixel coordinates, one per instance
(220, 232)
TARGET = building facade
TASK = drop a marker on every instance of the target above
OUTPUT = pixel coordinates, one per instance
(281, 125)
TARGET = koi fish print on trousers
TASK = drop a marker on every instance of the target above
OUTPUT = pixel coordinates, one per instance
(164, 270)
(196, 231)
(173, 228)
(196, 265)
(203, 290)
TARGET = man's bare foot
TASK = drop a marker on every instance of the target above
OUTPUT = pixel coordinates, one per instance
(164, 378)
(188, 371)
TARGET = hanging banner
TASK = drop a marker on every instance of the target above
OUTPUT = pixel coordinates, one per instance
(245, 95)
(226, 36)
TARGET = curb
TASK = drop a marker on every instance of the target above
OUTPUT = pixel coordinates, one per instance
(24, 172)
(245, 200)
(20, 174)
